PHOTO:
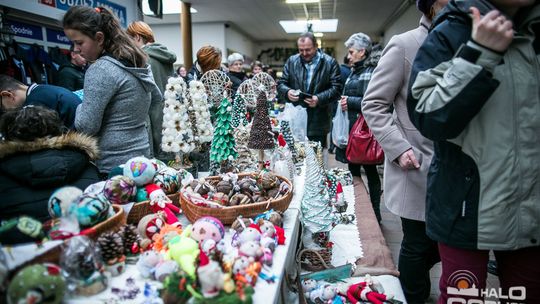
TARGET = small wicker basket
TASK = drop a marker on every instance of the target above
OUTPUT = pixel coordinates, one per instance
(227, 215)
(139, 210)
(315, 259)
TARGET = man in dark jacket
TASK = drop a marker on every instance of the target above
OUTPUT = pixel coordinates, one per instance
(15, 95)
(317, 74)
(71, 76)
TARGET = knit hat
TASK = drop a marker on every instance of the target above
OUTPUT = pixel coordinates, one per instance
(424, 6)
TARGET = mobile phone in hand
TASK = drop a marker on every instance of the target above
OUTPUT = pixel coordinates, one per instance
(303, 96)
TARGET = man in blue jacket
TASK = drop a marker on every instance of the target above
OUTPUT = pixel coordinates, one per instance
(16, 95)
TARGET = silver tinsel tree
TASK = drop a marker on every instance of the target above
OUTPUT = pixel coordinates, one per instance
(287, 135)
(316, 207)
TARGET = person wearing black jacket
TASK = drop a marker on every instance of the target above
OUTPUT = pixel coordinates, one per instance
(315, 73)
(71, 76)
(236, 75)
(36, 158)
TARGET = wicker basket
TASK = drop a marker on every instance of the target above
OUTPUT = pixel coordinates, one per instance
(53, 255)
(315, 260)
(139, 210)
(227, 215)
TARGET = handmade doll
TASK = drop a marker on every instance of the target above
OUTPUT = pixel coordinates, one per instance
(369, 290)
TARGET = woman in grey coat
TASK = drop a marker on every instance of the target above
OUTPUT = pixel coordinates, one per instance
(118, 87)
(408, 153)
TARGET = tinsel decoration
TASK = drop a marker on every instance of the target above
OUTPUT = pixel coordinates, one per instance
(215, 82)
(267, 82)
(261, 136)
(239, 112)
(199, 113)
(315, 206)
(247, 159)
(111, 246)
(223, 144)
(332, 182)
(177, 130)
(287, 135)
(318, 153)
(130, 239)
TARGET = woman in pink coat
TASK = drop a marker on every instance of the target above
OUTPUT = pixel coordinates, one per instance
(408, 153)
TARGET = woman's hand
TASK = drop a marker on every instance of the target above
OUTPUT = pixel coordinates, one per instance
(492, 31)
(407, 160)
(343, 103)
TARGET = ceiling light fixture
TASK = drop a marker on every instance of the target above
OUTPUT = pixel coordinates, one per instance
(169, 7)
(318, 35)
(301, 1)
(300, 26)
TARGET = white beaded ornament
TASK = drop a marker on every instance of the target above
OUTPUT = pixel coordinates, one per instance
(204, 131)
(267, 82)
(248, 92)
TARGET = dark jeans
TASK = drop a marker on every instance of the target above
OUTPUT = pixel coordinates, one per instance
(374, 185)
(516, 269)
(321, 139)
(417, 255)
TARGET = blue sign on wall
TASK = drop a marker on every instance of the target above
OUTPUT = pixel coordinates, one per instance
(26, 30)
(57, 36)
(118, 10)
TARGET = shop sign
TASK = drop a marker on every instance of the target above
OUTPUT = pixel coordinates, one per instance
(26, 30)
(118, 10)
(57, 36)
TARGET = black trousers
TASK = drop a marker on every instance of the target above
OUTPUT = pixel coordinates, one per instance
(417, 255)
(374, 185)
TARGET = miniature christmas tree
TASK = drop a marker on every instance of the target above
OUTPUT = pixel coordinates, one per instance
(239, 112)
(223, 145)
(131, 239)
(315, 206)
(177, 130)
(287, 135)
(261, 136)
(199, 113)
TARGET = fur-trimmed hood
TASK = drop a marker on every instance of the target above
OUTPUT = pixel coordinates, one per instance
(72, 140)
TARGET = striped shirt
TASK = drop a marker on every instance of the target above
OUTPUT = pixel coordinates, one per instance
(310, 69)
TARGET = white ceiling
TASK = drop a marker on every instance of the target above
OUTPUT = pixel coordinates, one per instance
(259, 19)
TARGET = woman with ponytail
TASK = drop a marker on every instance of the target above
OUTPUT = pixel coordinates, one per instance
(118, 86)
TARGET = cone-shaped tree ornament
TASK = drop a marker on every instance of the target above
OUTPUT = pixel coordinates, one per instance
(287, 135)
(315, 206)
(177, 130)
(223, 145)
(200, 114)
(261, 136)
(239, 112)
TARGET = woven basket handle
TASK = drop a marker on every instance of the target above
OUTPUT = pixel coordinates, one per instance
(316, 252)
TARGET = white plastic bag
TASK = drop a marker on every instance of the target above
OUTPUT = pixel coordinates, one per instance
(297, 118)
(340, 129)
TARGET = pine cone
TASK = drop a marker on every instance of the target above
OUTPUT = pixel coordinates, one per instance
(111, 246)
(130, 236)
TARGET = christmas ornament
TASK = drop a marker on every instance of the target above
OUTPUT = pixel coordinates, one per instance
(239, 112)
(248, 92)
(267, 83)
(148, 226)
(61, 200)
(223, 145)
(207, 227)
(112, 252)
(184, 250)
(240, 199)
(140, 169)
(215, 82)
(315, 207)
(160, 202)
(130, 239)
(119, 189)
(267, 180)
(203, 128)
(38, 283)
(289, 139)
(167, 178)
(247, 158)
(141, 195)
(91, 210)
(22, 229)
(261, 136)
(95, 188)
(210, 276)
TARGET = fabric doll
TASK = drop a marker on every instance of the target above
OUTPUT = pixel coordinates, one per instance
(367, 291)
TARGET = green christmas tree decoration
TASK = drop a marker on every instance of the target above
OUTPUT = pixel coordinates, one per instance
(261, 136)
(223, 144)
(316, 205)
(289, 139)
(239, 112)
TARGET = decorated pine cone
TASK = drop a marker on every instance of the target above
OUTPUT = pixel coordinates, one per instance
(268, 180)
(224, 186)
(257, 198)
(220, 198)
(273, 193)
(111, 246)
(237, 225)
(248, 186)
(240, 199)
(131, 239)
(201, 186)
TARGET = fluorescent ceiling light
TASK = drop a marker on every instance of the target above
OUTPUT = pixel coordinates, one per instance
(300, 26)
(169, 7)
(318, 35)
(302, 1)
